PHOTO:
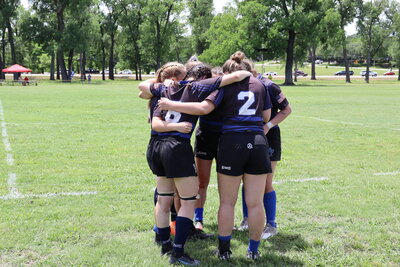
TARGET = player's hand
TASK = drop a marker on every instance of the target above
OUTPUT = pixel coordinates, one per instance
(168, 82)
(184, 127)
(266, 129)
(165, 104)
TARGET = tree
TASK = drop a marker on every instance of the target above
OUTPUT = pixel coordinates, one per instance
(200, 17)
(372, 28)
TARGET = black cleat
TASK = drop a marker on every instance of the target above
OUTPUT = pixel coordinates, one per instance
(184, 260)
(157, 240)
(199, 235)
(224, 256)
(166, 248)
(253, 255)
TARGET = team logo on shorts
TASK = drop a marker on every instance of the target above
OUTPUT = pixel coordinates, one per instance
(226, 168)
(249, 146)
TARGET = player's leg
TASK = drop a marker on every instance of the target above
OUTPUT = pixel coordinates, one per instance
(228, 187)
(270, 205)
(165, 189)
(254, 190)
(188, 192)
(204, 173)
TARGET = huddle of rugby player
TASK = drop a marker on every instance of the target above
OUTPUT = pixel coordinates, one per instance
(239, 110)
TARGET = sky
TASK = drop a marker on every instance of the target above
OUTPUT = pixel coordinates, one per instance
(219, 5)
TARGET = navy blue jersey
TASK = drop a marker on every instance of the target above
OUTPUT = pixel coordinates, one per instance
(187, 92)
(278, 99)
(212, 122)
(242, 105)
(156, 90)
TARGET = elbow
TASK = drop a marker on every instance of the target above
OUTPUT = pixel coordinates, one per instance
(288, 110)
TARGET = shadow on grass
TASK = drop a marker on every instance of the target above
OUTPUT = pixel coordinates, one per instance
(271, 250)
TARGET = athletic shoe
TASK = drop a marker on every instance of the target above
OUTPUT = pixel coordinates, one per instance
(184, 260)
(224, 256)
(199, 225)
(269, 231)
(253, 255)
(172, 225)
(244, 225)
(199, 234)
(166, 249)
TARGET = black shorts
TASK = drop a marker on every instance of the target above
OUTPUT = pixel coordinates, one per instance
(150, 152)
(172, 157)
(240, 153)
(274, 141)
(206, 144)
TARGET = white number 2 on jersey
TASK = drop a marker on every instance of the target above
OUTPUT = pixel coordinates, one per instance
(172, 116)
(245, 110)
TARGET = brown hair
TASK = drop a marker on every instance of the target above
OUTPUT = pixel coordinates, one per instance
(237, 61)
(169, 70)
(217, 71)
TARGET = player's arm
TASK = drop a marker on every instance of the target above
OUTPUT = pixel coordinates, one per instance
(162, 126)
(266, 116)
(144, 88)
(234, 77)
(191, 108)
(279, 117)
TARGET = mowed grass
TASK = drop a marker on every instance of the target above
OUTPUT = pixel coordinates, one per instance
(93, 137)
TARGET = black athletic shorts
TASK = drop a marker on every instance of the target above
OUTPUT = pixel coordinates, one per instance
(172, 157)
(274, 141)
(240, 153)
(206, 144)
(150, 152)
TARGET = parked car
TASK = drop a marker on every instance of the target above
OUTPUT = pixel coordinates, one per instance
(319, 61)
(371, 73)
(93, 71)
(389, 73)
(272, 73)
(152, 73)
(300, 73)
(125, 72)
(343, 72)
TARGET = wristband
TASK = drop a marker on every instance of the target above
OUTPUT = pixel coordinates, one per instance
(270, 125)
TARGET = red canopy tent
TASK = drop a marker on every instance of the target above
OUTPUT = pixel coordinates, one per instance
(16, 68)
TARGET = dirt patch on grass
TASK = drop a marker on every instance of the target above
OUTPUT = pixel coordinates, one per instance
(20, 257)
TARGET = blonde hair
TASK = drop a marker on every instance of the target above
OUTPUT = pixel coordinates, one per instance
(169, 70)
(237, 61)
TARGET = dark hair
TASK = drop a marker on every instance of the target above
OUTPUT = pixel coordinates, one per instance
(199, 71)
(237, 61)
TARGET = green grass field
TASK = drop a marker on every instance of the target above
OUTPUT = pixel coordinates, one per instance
(73, 138)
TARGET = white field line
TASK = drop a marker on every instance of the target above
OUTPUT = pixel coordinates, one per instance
(347, 123)
(291, 181)
(12, 177)
(386, 173)
(47, 195)
(10, 160)
(12, 185)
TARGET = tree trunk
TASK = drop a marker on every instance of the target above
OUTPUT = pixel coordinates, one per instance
(346, 63)
(111, 62)
(289, 58)
(398, 77)
(60, 52)
(52, 66)
(3, 53)
(57, 68)
(103, 61)
(70, 61)
(295, 71)
(158, 45)
(313, 58)
(12, 47)
(82, 63)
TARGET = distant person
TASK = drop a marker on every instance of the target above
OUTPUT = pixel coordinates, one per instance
(89, 78)
(26, 80)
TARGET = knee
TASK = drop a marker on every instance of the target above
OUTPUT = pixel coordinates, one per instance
(165, 202)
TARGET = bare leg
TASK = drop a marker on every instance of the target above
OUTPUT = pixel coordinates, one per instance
(268, 186)
(228, 187)
(163, 205)
(204, 173)
(254, 190)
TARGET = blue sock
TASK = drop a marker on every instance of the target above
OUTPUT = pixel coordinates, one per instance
(183, 227)
(164, 233)
(198, 214)
(244, 206)
(270, 207)
(155, 229)
(253, 245)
